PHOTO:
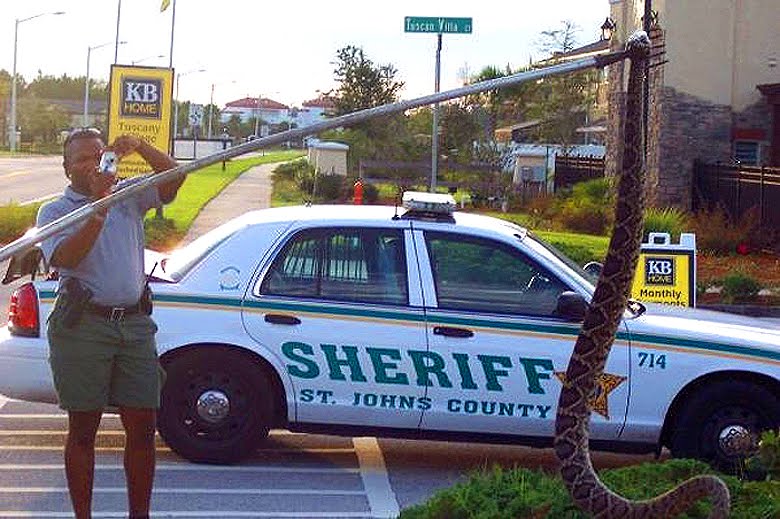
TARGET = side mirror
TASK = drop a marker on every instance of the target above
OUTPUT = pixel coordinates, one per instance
(571, 306)
(593, 268)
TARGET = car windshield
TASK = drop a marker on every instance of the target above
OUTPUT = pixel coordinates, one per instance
(563, 258)
(182, 260)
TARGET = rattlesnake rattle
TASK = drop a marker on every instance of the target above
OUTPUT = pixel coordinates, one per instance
(598, 333)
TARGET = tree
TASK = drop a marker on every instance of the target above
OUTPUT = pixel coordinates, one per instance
(40, 120)
(361, 83)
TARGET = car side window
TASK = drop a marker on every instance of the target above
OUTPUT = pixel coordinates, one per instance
(482, 275)
(361, 265)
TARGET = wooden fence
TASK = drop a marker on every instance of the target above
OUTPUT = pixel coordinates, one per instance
(570, 170)
(738, 189)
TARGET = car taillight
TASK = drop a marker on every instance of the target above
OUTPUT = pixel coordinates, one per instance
(23, 311)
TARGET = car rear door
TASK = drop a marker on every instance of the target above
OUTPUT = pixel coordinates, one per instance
(498, 354)
(340, 305)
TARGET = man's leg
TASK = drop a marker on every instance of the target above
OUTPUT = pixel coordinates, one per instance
(80, 459)
(139, 427)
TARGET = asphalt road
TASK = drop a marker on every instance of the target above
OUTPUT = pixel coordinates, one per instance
(25, 179)
(290, 475)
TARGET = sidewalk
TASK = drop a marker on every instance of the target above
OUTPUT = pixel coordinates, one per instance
(250, 191)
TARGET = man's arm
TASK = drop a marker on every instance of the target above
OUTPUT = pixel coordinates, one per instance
(160, 161)
(75, 247)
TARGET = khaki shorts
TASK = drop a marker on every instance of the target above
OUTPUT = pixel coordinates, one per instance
(98, 362)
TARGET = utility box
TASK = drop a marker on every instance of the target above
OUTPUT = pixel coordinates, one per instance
(328, 158)
(666, 272)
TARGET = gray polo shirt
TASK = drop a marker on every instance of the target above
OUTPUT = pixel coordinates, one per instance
(114, 268)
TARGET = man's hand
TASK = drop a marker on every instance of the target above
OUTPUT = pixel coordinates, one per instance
(125, 145)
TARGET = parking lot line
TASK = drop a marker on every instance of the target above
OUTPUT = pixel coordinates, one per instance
(381, 498)
(186, 467)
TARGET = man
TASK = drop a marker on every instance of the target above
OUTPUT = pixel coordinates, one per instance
(101, 338)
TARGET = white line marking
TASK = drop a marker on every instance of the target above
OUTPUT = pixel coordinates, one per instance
(194, 468)
(222, 514)
(381, 498)
(166, 449)
(190, 490)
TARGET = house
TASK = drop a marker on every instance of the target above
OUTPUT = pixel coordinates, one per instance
(315, 110)
(713, 96)
(249, 108)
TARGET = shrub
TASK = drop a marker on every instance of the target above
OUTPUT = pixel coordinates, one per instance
(289, 170)
(766, 462)
(588, 208)
(329, 188)
(370, 194)
(739, 286)
(668, 219)
(161, 233)
(715, 231)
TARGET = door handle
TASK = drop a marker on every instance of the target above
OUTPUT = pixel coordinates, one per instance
(448, 331)
(289, 320)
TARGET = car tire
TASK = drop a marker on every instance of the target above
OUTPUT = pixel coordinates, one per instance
(709, 426)
(215, 406)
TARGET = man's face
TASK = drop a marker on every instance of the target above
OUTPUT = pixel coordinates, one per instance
(80, 160)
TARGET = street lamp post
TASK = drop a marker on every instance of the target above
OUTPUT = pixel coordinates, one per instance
(137, 61)
(85, 121)
(12, 124)
(176, 101)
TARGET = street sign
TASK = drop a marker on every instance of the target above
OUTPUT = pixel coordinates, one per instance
(437, 25)
(196, 114)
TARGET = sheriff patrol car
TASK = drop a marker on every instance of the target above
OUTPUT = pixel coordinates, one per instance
(419, 322)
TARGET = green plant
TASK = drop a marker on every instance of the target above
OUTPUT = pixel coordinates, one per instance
(715, 232)
(16, 219)
(766, 461)
(330, 188)
(588, 208)
(739, 286)
(667, 219)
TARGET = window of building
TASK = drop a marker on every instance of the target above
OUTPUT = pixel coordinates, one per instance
(747, 152)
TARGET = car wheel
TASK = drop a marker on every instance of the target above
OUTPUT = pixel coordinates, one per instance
(721, 423)
(216, 406)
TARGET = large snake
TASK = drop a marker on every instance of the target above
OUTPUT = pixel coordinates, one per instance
(598, 333)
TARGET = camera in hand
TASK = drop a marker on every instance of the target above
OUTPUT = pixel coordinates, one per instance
(108, 163)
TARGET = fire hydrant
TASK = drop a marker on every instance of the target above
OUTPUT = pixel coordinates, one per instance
(358, 194)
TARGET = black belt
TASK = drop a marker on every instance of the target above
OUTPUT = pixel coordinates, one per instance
(113, 313)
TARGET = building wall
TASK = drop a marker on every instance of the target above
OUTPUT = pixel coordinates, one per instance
(717, 52)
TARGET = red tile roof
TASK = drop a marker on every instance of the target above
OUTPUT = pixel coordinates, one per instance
(320, 102)
(251, 102)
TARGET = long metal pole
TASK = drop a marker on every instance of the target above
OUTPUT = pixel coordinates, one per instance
(85, 120)
(173, 26)
(12, 125)
(435, 125)
(35, 235)
(116, 40)
(176, 110)
(211, 102)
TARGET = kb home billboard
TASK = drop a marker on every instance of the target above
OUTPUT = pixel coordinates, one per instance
(140, 104)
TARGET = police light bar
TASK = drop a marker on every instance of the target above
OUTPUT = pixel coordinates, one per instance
(428, 202)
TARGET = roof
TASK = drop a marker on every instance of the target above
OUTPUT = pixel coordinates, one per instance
(320, 102)
(328, 145)
(252, 102)
(545, 150)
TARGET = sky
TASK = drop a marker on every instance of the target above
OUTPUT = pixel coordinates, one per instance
(282, 50)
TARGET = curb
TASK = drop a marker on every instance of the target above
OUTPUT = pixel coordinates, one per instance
(750, 310)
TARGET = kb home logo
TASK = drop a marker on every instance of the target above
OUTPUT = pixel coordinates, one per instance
(659, 271)
(141, 97)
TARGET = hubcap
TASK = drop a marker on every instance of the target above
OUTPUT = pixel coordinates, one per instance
(213, 406)
(735, 440)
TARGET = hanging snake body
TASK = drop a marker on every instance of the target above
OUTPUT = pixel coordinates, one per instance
(598, 332)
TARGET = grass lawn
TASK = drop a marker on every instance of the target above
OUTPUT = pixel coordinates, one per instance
(198, 188)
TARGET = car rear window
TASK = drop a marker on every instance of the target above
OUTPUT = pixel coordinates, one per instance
(181, 261)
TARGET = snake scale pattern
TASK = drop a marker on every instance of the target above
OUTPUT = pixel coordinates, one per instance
(598, 333)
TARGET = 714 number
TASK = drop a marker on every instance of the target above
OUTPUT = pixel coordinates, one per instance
(651, 360)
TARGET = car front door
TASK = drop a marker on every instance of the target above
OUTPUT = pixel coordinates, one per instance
(335, 305)
(497, 351)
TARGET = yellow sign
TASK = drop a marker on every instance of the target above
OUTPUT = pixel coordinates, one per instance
(140, 104)
(666, 273)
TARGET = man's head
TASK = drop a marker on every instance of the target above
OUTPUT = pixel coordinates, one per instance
(81, 156)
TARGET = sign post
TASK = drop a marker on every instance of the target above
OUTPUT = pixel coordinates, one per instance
(439, 26)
